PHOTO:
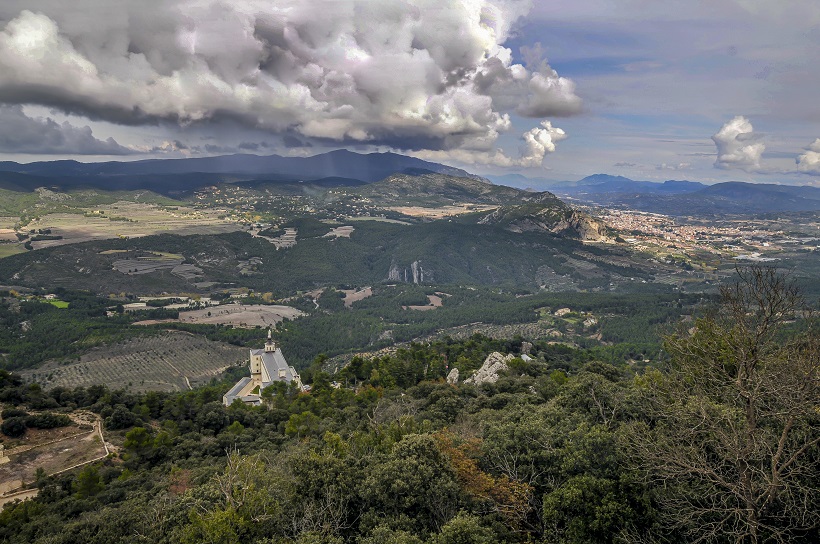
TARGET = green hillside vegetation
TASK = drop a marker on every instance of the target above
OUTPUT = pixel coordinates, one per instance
(633, 323)
(448, 252)
(564, 448)
(431, 190)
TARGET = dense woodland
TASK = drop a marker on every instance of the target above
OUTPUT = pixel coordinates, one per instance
(718, 444)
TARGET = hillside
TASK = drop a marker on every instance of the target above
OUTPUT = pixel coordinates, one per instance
(431, 189)
(544, 212)
(440, 252)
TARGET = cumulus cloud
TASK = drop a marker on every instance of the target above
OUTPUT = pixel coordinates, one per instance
(413, 74)
(20, 133)
(539, 142)
(809, 161)
(738, 147)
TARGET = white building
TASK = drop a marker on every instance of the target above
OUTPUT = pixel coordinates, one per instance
(267, 366)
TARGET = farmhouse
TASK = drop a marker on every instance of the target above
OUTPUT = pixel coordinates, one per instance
(268, 366)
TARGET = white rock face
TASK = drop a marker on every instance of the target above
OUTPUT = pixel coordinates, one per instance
(452, 377)
(488, 373)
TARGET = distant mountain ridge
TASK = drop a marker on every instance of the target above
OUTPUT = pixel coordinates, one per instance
(605, 183)
(190, 173)
(674, 197)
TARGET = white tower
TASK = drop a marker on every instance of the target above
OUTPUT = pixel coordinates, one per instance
(270, 345)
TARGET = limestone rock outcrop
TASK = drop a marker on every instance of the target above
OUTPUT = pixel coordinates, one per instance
(494, 364)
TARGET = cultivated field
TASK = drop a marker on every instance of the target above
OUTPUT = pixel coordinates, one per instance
(434, 302)
(156, 262)
(172, 361)
(239, 315)
(352, 295)
(288, 239)
(340, 232)
(129, 219)
(10, 249)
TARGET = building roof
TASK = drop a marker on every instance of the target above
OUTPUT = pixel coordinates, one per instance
(272, 363)
(274, 368)
(235, 391)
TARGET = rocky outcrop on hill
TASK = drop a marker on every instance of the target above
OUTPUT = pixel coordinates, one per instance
(493, 365)
(414, 273)
(544, 212)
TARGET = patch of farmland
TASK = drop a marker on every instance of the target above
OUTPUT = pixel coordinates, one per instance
(241, 315)
(288, 239)
(130, 220)
(352, 295)
(172, 361)
(7, 250)
(434, 301)
(340, 232)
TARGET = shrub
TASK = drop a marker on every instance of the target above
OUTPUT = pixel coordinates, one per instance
(13, 412)
(48, 421)
(13, 427)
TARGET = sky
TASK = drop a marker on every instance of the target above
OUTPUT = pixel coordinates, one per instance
(703, 90)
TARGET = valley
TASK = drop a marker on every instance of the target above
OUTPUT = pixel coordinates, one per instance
(395, 299)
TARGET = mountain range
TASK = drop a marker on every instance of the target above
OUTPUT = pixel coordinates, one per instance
(689, 197)
(344, 168)
(341, 167)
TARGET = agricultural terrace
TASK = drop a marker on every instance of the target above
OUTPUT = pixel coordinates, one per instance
(52, 450)
(340, 232)
(171, 361)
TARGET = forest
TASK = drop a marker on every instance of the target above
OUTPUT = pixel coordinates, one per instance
(718, 442)
(34, 330)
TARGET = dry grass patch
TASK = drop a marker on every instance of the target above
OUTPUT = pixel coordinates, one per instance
(434, 302)
(352, 295)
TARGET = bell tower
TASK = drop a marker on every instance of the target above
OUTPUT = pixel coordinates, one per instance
(270, 345)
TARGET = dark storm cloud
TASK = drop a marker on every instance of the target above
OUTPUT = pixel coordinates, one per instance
(22, 134)
(435, 73)
(293, 141)
(253, 146)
